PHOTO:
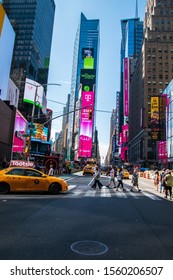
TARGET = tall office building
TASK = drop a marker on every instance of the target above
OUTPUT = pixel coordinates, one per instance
(131, 42)
(85, 67)
(152, 75)
(32, 22)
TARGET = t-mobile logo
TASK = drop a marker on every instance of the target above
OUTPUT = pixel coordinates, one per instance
(87, 97)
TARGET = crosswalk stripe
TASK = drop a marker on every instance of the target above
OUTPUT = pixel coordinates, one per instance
(151, 196)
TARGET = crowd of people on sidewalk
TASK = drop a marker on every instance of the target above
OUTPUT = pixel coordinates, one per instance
(163, 182)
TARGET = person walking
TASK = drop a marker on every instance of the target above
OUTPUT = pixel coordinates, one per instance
(51, 171)
(135, 177)
(120, 180)
(156, 180)
(168, 179)
(113, 175)
(161, 184)
(97, 180)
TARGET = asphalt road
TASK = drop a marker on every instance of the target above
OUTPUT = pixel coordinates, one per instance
(85, 224)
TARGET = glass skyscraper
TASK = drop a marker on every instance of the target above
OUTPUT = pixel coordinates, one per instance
(87, 37)
(131, 43)
(32, 22)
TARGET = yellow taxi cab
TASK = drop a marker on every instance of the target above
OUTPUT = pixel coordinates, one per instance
(126, 174)
(14, 179)
(88, 170)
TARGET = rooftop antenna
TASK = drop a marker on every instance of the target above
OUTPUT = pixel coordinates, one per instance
(136, 12)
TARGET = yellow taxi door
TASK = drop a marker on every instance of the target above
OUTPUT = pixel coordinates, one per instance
(35, 181)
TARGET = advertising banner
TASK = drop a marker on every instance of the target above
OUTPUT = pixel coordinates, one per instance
(126, 87)
(86, 124)
(38, 131)
(155, 118)
(88, 63)
(7, 37)
(88, 76)
(87, 52)
(125, 129)
(20, 128)
(33, 88)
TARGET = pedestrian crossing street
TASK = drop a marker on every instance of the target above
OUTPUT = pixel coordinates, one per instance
(105, 192)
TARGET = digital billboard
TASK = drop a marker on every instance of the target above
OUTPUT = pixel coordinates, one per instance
(155, 118)
(86, 124)
(33, 88)
(88, 63)
(87, 52)
(20, 128)
(88, 76)
(38, 131)
(7, 37)
(126, 87)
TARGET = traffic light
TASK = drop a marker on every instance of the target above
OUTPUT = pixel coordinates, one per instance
(90, 114)
(27, 142)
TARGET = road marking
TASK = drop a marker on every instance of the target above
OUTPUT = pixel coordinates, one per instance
(151, 196)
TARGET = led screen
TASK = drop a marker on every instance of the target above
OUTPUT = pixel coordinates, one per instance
(33, 88)
(126, 87)
(20, 128)
(86, 125)
(88, 63)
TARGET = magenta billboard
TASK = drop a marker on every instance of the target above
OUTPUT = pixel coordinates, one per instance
(19, 129)
(86, 124)
(126, 87)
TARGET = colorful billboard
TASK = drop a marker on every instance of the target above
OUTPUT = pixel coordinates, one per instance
(125, 131)
(87, 52)
(86, 124)
(155, 118)
(38, 131)
(88, 63)
(7, 37)
(20, 128)
(88, 76)
(33, 88)
(126, 86)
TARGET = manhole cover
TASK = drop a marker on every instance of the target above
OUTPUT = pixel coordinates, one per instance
(89, 248)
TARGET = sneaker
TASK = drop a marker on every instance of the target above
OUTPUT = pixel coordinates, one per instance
(165, 196)
(131, 190)
(124, 190)
(139, 190)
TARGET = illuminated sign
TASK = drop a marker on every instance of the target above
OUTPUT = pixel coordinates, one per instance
(88, 63)
(88, 76)
(126, 87)
(87, 52)
(86, 125)
(33, 88)
(20, 128)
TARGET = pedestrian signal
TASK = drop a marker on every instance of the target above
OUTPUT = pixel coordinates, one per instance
(90, 114)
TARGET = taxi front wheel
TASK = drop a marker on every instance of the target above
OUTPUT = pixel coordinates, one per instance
(4, 188)
(55, 188)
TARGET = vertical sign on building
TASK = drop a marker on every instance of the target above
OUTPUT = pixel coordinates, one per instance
(126, 86)
(155, 118)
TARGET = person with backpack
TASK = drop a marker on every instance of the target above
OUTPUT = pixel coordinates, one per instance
(120, 180)
(168, 179)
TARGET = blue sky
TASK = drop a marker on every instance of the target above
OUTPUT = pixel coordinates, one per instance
(67, 17)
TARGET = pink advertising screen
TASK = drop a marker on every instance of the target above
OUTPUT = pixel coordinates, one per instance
(86, 124)
(126, 87)
(19, 129)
